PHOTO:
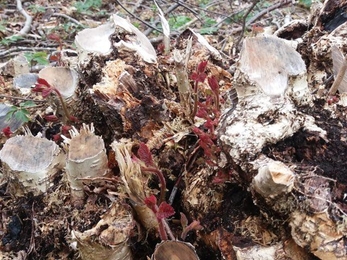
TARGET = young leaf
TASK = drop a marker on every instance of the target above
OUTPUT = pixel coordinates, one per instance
(145, 154)
(7, 131)
(202, 66)
(151, 201)
(198, 77)
(27, 104)
(184, 220)
(213, 83)
(22, 115)
(165, 210)
(51, 118)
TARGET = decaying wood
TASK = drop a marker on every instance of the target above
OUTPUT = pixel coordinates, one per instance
(276, 189)
(109, 238)
(62, 78)
(86, 159)
(260, 120)
(30, 164)
(174, 250)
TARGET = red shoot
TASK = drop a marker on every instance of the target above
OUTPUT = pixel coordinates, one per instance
(57, 138)
(54, 37)
(145, 154)
(202, 113)
(184, 220)
(332, 100)
(55, 57)
(165, 210)
(43, 87)
(213, 83)
(202, 66)
(43, 82)
(198, 77)
(73, 119)
(65, 129)
(151, 201)
(7, 132)
(51, 118)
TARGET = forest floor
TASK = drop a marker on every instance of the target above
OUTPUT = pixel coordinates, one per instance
(53, 28)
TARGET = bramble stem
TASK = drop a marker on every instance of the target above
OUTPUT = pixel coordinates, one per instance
(66, 112)
(195, 109)
(161, 180)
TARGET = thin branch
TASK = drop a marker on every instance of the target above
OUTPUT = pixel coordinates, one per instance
(169, 10)
(19, 48)
(68, 18)
(244, 22)
(257, 16)
(267, 10)
(24, 99)
(28, 19)
(137, 5)
(142, 21)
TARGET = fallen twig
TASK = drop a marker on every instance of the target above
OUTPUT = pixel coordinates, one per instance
(169, 10)
(21, 98)
(244, 22)
(28, 19)
(137, 5)
(6, 53)
(142, 21)
(68, 17)
(267, 10)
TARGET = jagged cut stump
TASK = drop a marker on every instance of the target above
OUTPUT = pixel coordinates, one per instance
(108, 240)
(30, 164)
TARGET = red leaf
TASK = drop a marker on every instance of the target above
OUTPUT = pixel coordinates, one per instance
(55, 57)
(73, 119)
(46, 92)
(198, 77)
(7, 131)
(145, 154)
(165, 210)
(194, 76)
(65, 129)
(151, 201)
(54, 37)
(43, 82)
(202, 113)
(202, 66)
(51, 118)
(43, 87)
(213, 83)
(57, 137)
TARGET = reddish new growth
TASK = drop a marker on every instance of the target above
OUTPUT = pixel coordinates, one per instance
(162, 212)
(198, 76)
(145, 156)
(43, 87)
(195, 225)
(210, 111)
(7, 132)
